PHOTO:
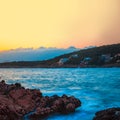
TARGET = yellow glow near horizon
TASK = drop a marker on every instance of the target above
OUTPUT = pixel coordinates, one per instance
(58, 23)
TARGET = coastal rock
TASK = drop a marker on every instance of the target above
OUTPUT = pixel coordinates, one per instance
(9, 110)
(16, 101)
(55, 104)
(108, 114)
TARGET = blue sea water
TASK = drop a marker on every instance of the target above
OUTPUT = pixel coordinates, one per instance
(97, 88)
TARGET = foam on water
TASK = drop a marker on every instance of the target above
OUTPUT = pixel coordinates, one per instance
(97, 88)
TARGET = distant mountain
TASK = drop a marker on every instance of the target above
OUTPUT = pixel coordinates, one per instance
(103, 56)
(30, 54)
(72, 47)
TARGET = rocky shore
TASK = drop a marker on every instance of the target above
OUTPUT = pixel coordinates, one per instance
(16, 101)
(108, 114)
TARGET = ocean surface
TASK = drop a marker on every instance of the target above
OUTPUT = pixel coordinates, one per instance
(97, 88)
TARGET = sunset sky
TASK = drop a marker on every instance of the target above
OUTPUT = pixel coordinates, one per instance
(58, 23)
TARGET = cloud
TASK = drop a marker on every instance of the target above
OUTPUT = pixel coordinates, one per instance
(30, 54)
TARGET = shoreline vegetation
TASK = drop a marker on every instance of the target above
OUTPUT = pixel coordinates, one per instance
(103, 56)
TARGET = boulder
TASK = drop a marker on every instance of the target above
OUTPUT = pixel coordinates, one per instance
(108, 114)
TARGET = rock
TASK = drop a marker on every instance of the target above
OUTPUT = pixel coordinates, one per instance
(70, 107)
(16, 101)
(9, 110)
(108, 114)
(55, 104)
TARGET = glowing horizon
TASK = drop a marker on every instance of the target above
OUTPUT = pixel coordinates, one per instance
(58, 23)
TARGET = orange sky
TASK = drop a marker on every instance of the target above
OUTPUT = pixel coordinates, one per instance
(58, 23)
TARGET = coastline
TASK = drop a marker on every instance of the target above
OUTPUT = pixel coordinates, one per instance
(51, 82)
(99, 57)
(117, 65)
(17, 101)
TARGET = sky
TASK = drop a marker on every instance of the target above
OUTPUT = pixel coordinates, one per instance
(58, 23)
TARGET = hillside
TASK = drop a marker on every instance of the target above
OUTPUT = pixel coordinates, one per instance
(103, 56)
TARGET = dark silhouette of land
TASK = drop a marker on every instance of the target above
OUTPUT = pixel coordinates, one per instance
(103, 56)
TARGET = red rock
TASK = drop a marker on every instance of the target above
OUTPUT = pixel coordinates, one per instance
(16, 101)
(17, 94)
(108, 114)
(70, 108)
(9, 110)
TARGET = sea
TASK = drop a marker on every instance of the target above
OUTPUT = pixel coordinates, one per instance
(97, 88)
